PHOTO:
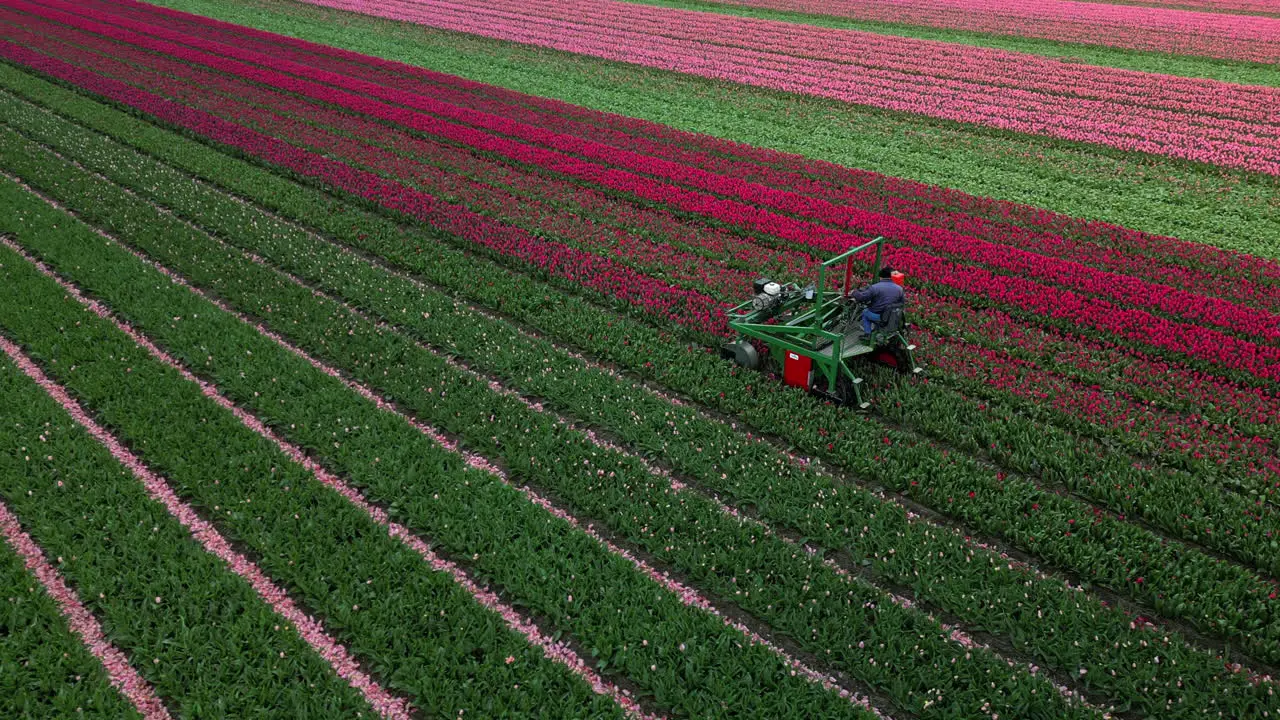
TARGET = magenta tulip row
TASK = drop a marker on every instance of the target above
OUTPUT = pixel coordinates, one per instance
(1134, 113)
(1158, 430)
(680, 306)
(1194, 340)
(1185, 265)
(649, 258)
(1183, 32)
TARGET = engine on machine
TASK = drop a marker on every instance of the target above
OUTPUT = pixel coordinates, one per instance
(768, 295)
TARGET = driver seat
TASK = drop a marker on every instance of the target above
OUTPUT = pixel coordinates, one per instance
(891, 320)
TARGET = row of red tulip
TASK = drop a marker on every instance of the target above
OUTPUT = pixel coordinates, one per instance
(1184, 265)
(943, 61)
(629, 250)
(1137, 324)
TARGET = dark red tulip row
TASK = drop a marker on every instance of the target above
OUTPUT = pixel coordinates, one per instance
(1182, 264)
(680, 306)
(1202, 342)
(721, 286)
(549, 256)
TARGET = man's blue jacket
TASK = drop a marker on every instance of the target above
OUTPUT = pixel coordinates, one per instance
(881, 296)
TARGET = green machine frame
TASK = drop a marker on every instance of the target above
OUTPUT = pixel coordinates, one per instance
(807, 323)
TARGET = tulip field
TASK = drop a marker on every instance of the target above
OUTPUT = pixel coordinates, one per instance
(361, 359)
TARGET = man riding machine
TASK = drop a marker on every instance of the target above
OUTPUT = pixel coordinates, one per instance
(818, 338)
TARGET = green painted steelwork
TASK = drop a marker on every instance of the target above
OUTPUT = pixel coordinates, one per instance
(828, 331)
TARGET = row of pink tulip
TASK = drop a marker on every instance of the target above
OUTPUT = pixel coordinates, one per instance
(941, 62)
(1253, 280)
(882, 61)
(1261, 8)
(975, 96)
(1175, 31)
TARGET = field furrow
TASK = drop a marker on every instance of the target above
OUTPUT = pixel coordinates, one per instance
(383, 703)
(56, 659)
(194, 605)
(463, 612)
(593, 605)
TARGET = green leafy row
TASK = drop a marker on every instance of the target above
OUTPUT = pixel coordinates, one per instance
(197, 632)
(1101, 549)
(1226, 209)
(544, 564)
(716, 457)
(849, 625)
(415, 627)
(45, 670)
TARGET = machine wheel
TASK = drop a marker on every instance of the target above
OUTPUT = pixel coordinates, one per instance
(894, 354)
(742, 353)
(844, 390)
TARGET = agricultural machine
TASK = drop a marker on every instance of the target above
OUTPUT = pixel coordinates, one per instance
(815, 337)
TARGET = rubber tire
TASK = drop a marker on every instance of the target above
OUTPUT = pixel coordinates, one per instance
(745, 354)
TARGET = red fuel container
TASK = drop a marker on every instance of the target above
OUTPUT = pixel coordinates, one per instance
(796, 369)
